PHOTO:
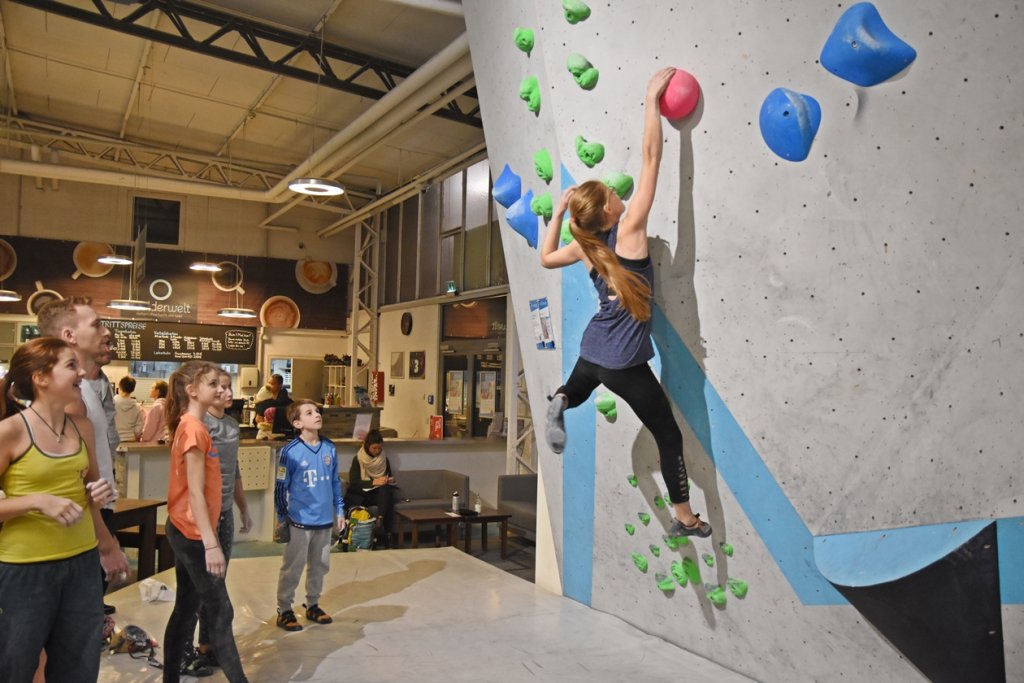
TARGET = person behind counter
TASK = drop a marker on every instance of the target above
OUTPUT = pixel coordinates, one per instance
(193, 511)
(155, 427)
(51, 528)
(128, 415)
(371, 483)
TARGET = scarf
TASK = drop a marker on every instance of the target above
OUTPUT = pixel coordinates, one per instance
(370, 467)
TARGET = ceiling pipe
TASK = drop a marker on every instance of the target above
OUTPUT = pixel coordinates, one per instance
(441, 63)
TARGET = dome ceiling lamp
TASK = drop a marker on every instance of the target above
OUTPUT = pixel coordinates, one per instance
(313, 186)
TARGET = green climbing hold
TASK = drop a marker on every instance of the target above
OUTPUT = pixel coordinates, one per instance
(590, 153)
(692, 570)
(632, 480)
(716, 595)
(620, 183)
(664, 582)
(645, 518)
(566, 235)
(542, 164)
(709, 559)
(738, 587)
(529, 92)
(655, 550)
(583, 72)
(726, 548)
(659, 502)
(575, 11)
(675, 542)
(541, 205)
(640, 561)
(679, 573)
(524, 39)
(630, 528)
(605, 405)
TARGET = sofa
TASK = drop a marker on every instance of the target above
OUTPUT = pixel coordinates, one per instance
(420, 489)
(517, 495)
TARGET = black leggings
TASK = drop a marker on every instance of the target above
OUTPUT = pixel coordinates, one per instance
(639, 388)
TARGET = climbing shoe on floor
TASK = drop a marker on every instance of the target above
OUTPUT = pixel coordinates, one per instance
(555, 431)
(314, 613)
(700, 529)
(288, 622)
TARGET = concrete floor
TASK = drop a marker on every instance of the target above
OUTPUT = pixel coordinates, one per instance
(422, 615)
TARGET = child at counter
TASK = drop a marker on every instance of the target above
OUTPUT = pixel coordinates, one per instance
(193, 511)
(308, 500)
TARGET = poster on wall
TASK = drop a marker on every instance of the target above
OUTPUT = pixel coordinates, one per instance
(398, 365)
(417, 364)
(540, 314)
(453, 400)
(485, 389)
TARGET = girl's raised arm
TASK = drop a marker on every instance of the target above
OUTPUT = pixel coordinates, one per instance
(635, 220)
(551, 256)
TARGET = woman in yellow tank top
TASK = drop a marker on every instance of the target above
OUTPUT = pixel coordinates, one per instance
(50, 592)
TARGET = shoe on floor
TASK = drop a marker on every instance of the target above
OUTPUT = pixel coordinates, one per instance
(208, 658)
(314, 613)
(287, 621)
(192, 665)
(554, 433)
(109, 609)
(701, 529)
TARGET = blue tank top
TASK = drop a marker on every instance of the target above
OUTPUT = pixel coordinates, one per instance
(614, 339)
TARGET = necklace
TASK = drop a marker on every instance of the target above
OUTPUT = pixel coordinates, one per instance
(60, 436)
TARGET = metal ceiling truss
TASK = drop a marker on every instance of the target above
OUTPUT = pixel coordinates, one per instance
(365, 312)
(256, 41)
(116, 154)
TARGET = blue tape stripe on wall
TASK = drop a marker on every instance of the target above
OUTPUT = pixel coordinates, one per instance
(579, 302)
(1010, 536)
(762, 499)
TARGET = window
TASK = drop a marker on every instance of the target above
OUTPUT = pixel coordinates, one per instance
(160, 217)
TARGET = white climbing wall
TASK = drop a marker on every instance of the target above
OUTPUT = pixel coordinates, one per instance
(858, 312)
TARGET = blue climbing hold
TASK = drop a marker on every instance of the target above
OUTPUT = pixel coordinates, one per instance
(522, 219)
(507, 187)
(789, 121)
(863, 50)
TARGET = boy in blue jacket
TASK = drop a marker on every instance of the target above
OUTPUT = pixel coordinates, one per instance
(309, 504)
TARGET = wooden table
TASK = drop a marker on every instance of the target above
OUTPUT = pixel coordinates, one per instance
(439, 517)
(140, 512)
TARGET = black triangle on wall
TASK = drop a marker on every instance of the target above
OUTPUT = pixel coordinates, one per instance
(945, 618)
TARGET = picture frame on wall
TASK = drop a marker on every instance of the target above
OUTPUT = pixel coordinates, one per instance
(417, 364)
(398, 365)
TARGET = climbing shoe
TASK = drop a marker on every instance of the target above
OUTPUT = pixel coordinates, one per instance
(555, 431)
(700, 529)
(288, 622)
(314, 613)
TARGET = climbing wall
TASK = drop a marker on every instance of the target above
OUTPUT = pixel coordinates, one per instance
(838, 246)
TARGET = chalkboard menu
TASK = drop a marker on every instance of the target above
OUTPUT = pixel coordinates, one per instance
(179, 342)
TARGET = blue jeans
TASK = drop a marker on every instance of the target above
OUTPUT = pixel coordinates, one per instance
(198, 587)
(56, 606)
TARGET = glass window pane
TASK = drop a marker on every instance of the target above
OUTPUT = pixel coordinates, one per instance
(393, 236)
(451, 260)
(499, 273)
(410, 247)
(451, 213)
(430, 225)
(477, 195)
(477, 252)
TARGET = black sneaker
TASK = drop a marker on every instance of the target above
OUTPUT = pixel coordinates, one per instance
(192, 665)
(554, 433)
(287, 621)
(109, 609)
(701, 529)
(209, 659)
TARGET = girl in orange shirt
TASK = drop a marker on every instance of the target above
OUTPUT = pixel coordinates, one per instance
(193, 508)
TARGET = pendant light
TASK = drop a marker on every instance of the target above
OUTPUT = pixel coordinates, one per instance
(9, 295)
(313, 186)
(130, 303)
(205, 267)
(114, 259)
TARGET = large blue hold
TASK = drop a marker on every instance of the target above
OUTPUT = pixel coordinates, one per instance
(789, 121)
(507, 187)
(522, 219)
(863, 50)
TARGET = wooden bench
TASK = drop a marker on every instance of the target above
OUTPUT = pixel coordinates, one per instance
(131, 537)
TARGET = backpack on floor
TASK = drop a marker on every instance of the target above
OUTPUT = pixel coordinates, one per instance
(359, 535)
